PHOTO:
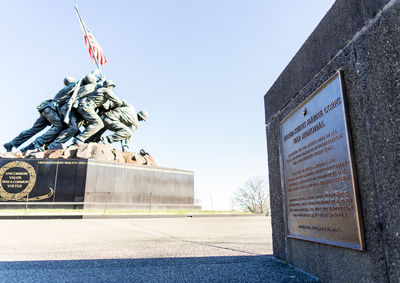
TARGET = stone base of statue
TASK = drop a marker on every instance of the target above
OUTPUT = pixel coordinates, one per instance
(93, 184)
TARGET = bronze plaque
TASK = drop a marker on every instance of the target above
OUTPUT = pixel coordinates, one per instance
(318, 170)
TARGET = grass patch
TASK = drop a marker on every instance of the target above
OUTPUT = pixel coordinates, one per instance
(56, 211)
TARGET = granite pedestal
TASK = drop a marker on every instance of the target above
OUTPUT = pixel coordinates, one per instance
(90, 184)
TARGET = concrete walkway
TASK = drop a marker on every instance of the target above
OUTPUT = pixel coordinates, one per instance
(198, 249)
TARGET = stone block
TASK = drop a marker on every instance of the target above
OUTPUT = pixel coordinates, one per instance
(345, 16)
(102, 152)
(128, 157)
(361, 39)
(70, 152)
(11, 155)
(138, 159)
(95, 151)
(35, 153)
(118, 156)
(150, 160)
(53, 153)
(85, 151)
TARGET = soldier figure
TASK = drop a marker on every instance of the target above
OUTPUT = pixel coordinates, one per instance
(62, 103)
(68, 113)
(92, 101)
(87, 106)
(48, 116)
(123, 121)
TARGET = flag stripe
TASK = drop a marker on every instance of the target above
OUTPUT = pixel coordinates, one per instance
(97, 51)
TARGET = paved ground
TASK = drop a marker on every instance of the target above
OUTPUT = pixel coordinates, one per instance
(134, 238)
(198, 249)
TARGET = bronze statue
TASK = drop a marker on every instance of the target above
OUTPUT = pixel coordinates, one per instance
(48, 116)
(89, 102)
(123, 121)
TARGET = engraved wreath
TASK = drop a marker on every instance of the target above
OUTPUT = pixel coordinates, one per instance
(32, 180)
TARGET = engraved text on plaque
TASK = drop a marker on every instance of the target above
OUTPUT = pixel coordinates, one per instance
(318, 172)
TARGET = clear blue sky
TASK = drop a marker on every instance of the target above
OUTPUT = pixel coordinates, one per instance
(200, 68)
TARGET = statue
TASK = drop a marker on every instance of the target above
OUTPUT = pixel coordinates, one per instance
(123, 121)
(48, 116)
(87, 107)
(68, 112)
(91, 103)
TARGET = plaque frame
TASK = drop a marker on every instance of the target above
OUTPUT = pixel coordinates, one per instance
(360, 246)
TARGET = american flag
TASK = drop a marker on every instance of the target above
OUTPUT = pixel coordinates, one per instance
(98, 52)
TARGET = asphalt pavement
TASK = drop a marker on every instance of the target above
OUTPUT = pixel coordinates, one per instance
(198, 249)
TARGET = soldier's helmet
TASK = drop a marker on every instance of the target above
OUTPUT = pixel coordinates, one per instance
(108, 83)
(68, 80)
(90, 79)
(144, 115)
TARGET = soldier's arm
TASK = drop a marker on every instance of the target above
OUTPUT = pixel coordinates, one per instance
(116, 102)
(85, 90)
(106, 106)
(66, 90)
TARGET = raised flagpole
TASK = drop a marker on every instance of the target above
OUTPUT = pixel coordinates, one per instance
(87, 38)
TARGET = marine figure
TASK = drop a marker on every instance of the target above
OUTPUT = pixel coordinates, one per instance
(87, 106)
(123, 121)
(62, 102)
(48, 116)
(69, 114)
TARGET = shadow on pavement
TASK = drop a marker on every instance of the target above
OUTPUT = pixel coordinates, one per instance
(200, 269)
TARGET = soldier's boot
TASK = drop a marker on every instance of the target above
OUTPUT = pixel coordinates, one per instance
(124, 145)
(8, 146)
(104, 140)
(37, 145)
(56, 146)
(77, 141)
(32, 145)
(28, 147)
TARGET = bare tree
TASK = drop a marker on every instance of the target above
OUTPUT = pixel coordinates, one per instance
(253, 196)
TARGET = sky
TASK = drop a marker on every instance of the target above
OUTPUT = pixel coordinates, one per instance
(200, 68)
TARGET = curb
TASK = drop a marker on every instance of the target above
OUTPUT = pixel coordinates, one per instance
(165, 216)
(24, 217)
(32, 217)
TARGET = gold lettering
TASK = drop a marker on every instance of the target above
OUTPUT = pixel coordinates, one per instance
(313, 129)
(332, 105)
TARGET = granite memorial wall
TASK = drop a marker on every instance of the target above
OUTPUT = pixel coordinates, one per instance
(332, 125)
